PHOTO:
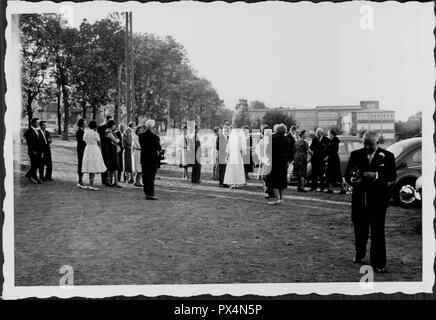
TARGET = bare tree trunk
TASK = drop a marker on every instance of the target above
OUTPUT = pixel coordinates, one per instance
(94, 111)
(84, 109)
(66, 111)
(29, 107)
(59, 111)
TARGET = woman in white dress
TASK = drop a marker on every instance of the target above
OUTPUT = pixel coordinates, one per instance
(236, 148)
(183, 151)
(92, 161)
(136, 152)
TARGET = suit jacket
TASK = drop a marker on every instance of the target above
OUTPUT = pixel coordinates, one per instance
(34, 144)
(150, 149)
(80, 143)
(373, 194)
(319, 148)
(292, 141)
(221, 146)
(45, 144)
(101, 130)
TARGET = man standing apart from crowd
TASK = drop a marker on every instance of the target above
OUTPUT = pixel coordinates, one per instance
(150, 158)
(370, 171)
(101, 130)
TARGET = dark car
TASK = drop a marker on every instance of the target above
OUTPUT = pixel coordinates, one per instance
(408, 159)
(346, 146)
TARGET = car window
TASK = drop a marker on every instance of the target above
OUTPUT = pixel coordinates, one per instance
(415, 158)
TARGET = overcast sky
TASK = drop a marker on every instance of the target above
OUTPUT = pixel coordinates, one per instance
(299, 54)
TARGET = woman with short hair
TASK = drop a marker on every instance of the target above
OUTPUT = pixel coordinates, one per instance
(333, 172)
(300, 160)
(127, 142)
(136, 150)
(92, 161)
(112, 149)
(281, 152)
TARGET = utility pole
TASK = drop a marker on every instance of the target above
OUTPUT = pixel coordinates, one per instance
(119, 92)
(132, 70)
(127, 64)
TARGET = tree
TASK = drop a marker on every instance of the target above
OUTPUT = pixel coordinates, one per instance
(412, 127)
(35, 59)
(274, 117)
(257, 105)
(61, 41)
(241, 117)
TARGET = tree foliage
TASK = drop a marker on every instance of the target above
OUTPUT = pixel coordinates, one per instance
(274, 117)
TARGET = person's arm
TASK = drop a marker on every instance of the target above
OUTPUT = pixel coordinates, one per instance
(351, 166)
(113, 138)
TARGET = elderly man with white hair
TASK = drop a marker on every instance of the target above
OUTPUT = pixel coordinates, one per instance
(319, 147)
(370, 171)
(150, 157)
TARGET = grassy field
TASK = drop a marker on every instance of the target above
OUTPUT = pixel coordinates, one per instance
(193, 234)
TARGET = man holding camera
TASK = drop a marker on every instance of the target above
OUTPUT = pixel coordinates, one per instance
(370, 171)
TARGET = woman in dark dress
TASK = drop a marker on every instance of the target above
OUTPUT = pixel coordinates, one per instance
(248, 157)
(127, 143)
(80, 150)
(119, 134)
(277, 179)
(300, 160)
(333, 173)
(112, 147)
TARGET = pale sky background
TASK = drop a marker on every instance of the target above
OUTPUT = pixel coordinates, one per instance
(298, 54)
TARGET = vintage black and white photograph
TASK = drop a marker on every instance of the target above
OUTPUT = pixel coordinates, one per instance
(190, 148)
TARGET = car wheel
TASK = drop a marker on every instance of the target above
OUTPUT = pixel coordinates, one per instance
(404, 193)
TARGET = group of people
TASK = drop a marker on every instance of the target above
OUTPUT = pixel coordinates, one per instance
(38, 142)
(111, 149)
(136, 150)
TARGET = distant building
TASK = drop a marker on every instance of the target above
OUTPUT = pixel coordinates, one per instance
(349, 118)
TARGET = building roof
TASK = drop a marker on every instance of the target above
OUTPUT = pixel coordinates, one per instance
(357, 107)
(373, 110)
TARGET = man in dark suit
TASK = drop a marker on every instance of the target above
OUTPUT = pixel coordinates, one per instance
(196, 168)
(34, 150)
(46, 160)
(319, 146)
(101, 132)
(370, 171)
(150, 158)
(221, 146)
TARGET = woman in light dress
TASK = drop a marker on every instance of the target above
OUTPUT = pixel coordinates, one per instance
(136, 151)
(263, 151)
(236, 148)
(183, 150)
(92, 161)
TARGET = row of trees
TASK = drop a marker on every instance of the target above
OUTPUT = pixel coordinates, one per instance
(81, 68)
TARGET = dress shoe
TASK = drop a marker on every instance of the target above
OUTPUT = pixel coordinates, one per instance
(32, 180)
(38, 181)
(48, 179)
(301, 190)
(275, 203)
(380, 270)
(150, 198)
(342, 192)
(329, 192)
(358, 261)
